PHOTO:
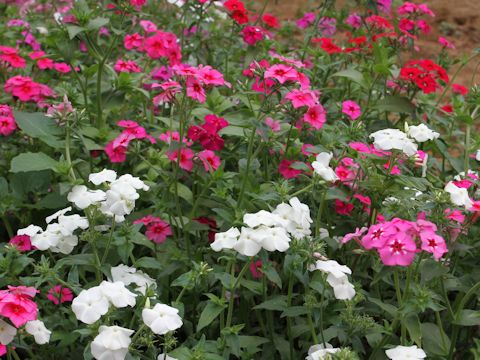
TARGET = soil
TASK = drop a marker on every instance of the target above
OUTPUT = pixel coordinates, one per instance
(456, 20)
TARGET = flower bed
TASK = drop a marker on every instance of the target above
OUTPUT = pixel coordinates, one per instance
(198, 180)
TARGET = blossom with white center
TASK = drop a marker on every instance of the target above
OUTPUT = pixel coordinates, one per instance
(263, 218)
(321, 167)
(82, 197)
(162, 319)
(388, 139)
(458, 196)
(225, 240)
(102, 177)
(336, 278)
(129, 275)
(249, 243)
(321, 351)
(90, 305)
(120, 200)
(40, 333)
(117, 294)
(477, 155)
(111, 343)
(422, 133)
(7, 332)
(405, 353)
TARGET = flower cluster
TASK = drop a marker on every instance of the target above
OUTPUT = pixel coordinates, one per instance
(336, 277)
(396, 240)
(7, 120)
(25, 89)
(268, 230)
(117, 201)
(424, 74)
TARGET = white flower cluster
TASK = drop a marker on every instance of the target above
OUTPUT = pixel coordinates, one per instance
(458, 196)
(336, 278)
(406, 352)
(162, 319)
(321, 166)
(388, 139)
(59, 236)
(117, 201)
(90, 305)
(111, 343)
(129, 275)
(36, 328)
(321, 351)
(268, 230)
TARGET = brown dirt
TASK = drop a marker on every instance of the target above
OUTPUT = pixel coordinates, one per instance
(457, 20)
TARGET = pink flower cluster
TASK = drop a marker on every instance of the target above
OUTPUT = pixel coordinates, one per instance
(195, 80)
(207, 135)
(397, 241)
(157, 229)
(10, 56)
(7, 120)
(128, 66)
(155, 43)
(16, 304)
(59, 294)
(21, 242)
(44, 63)
(25, 89)
(117, 148)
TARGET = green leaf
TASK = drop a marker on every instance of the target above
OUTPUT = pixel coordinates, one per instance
(78, 259)
(433, 340)
(209, 313)
(97, 23)
(39, 126)
(390, 309)
(412, 323)
(183, 191)
(352, 74)
(295, 311)
(32, 162)
(278, 303)
(395, 104)
(74, 30)
(468, 318)
(148, 263)
(272, 275)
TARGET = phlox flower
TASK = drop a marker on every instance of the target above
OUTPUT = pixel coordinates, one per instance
(316, 116)
(252, 34)
(186, 156)
(255, 269)
(116, 154)
(112, 342)
(59, 294)
(321, 167)
(398, 249)
(301, 98)
(343, 208)
(7, 120)
(157, 229)
(288, 172)
(11, 57)
(21, 242)
(433, 243)
(281, 73)
(210, 161)
(272, 124)
(162, 319)
(354, 20)
(129, 275)
(458, 196)
(336, 278)
(133, 41)
(352, 109)
(195, 90)
(307, 20)
(40, 333)
(17, 305)
(405, 352)
(225, 240)
(7, 333)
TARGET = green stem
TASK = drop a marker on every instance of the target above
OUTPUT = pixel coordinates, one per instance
(247, 168)
(305, 189)
(289, 319)
(232, 292)
(107, 248)
(467, 147)
(319, 213)
(8, 227)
